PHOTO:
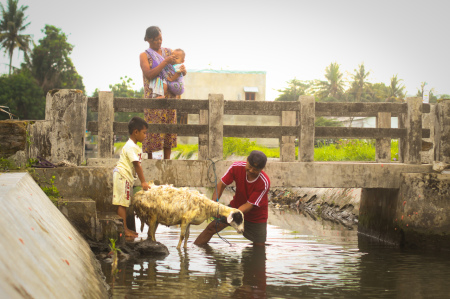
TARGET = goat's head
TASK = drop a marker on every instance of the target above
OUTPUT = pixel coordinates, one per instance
(236, 220)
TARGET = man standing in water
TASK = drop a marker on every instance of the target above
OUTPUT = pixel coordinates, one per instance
(252, 186)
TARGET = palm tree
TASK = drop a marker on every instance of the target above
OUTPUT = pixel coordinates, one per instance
(12, 23)
(334, 85)
(395, 90)
(361, 88)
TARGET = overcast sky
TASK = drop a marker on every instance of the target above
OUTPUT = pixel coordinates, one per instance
(286, 38)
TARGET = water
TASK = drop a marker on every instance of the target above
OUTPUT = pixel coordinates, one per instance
(303, 259)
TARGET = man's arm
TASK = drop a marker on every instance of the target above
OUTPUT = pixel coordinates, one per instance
(140, 173)
(220, 187)
(246, 207)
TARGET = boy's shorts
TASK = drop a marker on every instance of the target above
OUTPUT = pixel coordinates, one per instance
(122, 190)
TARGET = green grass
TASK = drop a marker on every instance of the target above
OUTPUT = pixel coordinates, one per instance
(351, 150)
(342, 150)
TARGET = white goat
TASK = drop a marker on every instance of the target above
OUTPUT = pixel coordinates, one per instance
(168, 205)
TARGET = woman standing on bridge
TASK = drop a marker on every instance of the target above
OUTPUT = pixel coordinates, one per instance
(152, 61)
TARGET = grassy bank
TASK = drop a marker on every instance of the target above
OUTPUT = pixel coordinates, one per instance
(342, 150)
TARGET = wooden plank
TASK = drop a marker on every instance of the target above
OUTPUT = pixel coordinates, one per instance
(307, 129)
(260, 131)
(359, 133)
(105, 124)
(215, 127)
(287, 144)
(413, 131)
(203, 138)
(383, 145)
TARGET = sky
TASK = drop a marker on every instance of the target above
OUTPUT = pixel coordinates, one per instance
(286, 38)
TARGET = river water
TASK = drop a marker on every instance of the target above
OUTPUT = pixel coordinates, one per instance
(304, 258)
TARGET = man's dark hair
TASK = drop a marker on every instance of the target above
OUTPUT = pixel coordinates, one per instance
(151, 33)
(136, 123)
(257, 159)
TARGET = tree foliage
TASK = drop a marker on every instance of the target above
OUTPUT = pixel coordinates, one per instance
(295, 89)
(395, 90)
(360, 89)
(123, 89)
(50, 64)
(332, 89)
(432, 97)
(22, 95)
(11, 26)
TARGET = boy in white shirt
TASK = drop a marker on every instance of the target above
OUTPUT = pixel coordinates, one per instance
(127, 168)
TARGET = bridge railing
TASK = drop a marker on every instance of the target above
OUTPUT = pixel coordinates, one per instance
(211, 130)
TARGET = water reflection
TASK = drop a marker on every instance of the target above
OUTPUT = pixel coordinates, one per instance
(303, 259)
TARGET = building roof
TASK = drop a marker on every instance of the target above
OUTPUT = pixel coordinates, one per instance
(224, 71)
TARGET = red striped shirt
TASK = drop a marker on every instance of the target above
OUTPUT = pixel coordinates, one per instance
(254, 192)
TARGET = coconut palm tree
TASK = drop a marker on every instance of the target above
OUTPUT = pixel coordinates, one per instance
(395, 90)
(11, 25)
(360, 87)
(333, 87)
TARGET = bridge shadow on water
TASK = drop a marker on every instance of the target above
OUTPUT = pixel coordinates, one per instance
(303, 259)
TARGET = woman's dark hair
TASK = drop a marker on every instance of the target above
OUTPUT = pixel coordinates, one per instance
(257, 159)
(151, 33)
(136, 123)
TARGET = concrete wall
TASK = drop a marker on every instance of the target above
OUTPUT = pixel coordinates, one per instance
(42, 254)
(415, 215)
(200, 83)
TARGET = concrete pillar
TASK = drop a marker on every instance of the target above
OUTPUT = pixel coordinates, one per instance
(215, 121)
(377, 211)
(413, 131)
(442, 132)
(105, 124)
(307, 131)
(66, 111)
(203, 138)
(402, 141)
(383, 145)
(287, 145)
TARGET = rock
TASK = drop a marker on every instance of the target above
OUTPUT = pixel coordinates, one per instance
(148, 247)
(440, 166)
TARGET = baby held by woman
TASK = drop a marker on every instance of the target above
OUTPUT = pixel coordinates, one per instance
(174, 78)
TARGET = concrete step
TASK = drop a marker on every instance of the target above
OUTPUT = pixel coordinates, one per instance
(110, 226)
(82, 213)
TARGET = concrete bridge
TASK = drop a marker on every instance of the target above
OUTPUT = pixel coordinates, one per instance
(384, 183)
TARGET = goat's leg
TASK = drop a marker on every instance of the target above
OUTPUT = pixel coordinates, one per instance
(152, 224)
(186, 237)
(183, 226)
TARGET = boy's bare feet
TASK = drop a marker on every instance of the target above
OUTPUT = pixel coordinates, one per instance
(130, 233)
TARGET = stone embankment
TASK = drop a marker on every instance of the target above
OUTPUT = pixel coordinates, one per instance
(340, 205)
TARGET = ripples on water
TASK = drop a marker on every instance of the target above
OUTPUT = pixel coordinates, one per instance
(304, 259)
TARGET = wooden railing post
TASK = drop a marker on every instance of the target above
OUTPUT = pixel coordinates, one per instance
(215, 121)
(402, 141)
(383, 145)
(105, 124)
(413, 143)
(307, 131)
(66, 111)
(203, 138)
(442, 132)
(287, 144)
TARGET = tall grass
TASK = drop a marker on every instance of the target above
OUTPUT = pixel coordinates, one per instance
(342, 150)
(351, 150)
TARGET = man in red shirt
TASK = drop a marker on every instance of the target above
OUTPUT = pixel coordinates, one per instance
(252, 186)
